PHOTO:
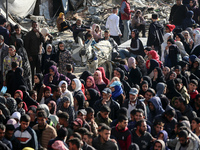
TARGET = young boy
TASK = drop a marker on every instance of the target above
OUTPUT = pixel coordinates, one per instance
(103, 116)
(47, 94)
(192, 89)
(25, 134)
(90, 120)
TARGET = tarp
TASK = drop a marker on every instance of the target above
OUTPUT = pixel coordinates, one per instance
(21, 8)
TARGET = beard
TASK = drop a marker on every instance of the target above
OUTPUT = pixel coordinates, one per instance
(141, 132)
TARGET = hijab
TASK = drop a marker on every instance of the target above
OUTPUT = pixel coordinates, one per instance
(86, 74)
(153, 65)
(100, 80)
(160, 73)
(131, 61)
(173, 52)
(106, 80)
(61, 83)
(148, 79)
(19, 44)
(78, 84)
(56, 76)
(160, 88)
(154, 55)
(54, 108)
(38, 85)
(48, 45)
(18, 80)
(118, 89)
(80, 99)
(94, 95)
(93, 84)
(172, 90)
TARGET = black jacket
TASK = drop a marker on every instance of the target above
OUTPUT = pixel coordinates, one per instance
(108, 145)
(114, 106)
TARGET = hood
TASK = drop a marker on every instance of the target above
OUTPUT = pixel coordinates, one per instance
(78, 84)
(165, 135)
(169, 108)
(3, 100)
(189, 14)
(158, 25)
(148, 79)
(16, 115)
(166, 36)
(192, 58)
(157, 104)
(154, 55)
(131, 61)
(94, 94)
(161, 142)
(45, 107)
(85, 74)
(160, 88)
(80, 99)
(153, 65)
(136, 33)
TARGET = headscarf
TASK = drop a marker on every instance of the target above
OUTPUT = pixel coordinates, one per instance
(171, 27)
(136, 34)
(94, 95)
(78, 84)
(94, 33)
(59, 145)
(197, 38)
(100, 80)
(160, 88)
(118, 89)
(3, 100)
(154, 55)
(106, 80)
(186, 32)
(166, 36)
(172, 90)
(148, 79)
(60, 104)
(141, 63)
(19, 44)
(48, 45)
(160, 73)
(153, 65)
(18, 80)
(61, 83)
(141, 84)
(131, 61)
(93, 84)
(173, 52)
(86, 74)
(44, 32)
(45, 107)
(157, 105)
(56, 76)
(11, 105)
(80, 98)
(13, 122)
(38, 85)
(54, 108)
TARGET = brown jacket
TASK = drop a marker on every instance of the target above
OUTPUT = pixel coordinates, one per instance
(47, 134)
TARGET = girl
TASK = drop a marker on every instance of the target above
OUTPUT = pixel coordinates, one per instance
(99, 81)
(52, 107)
(90, 83)
(39, 86)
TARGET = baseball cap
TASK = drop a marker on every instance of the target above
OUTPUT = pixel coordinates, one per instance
(78, 122)
(82, 111)
(133, 91)
(107, 91)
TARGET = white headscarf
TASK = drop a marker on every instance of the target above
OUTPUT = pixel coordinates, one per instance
(78, 84)
(63, 82)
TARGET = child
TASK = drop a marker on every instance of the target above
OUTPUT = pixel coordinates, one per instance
(192, 89)
(20, 105)
(47, 94)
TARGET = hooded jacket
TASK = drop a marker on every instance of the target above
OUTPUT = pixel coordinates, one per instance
(161, 142)
(188, 21)
(123, 137)
(160, 88)
(112, 24)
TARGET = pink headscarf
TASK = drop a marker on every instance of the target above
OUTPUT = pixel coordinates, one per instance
(13, 122)
(93, 84)
(59, 145)
(103, 75)
(100, 80)
(131, 61)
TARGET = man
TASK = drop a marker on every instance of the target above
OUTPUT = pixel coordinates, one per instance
(3, 53)
(179, 75)
(78, 28)
(126, 16)
(44, 131)
(121, 133)
(112, 24)
(103, 116)
(196, 106)
(25, 134)
(74, 144)
(159, 145)
(56, 91)
(140, 136)
(178, 14)
(88, 138)
(16, 35)
(182, 89)
(82, 115)
(62, 134)
(157, 127)
(155, 36)
(184, 141)
(7, 62)
(2, 138)
(33, 46)
(70, 74)
(77, 124)
(133, 102)
(9, 135)
(183, 109)
(192, 89)
(107, 100)
(3, 31)
(103, 141)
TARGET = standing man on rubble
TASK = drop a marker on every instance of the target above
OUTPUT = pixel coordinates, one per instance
(112, 24)
(126, 17)
(3, 30)
(178, 14)
(33, 45)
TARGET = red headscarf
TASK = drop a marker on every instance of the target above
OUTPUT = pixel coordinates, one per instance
(21, 94)
(83, 90)
(155, 56)
(103, 75)
(93, 84)
(171, 27)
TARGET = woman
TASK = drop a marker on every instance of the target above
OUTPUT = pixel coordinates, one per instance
(65, 92)
(135, 75)
(85, 74)
(172, 76)
(161, 89)
(193, 6)
(164, 45)
(64, 106)
(171, 90)
(106, 80)
(92, 96)
(153, 55)
(52, 107)
(136, 47)
(152, 65)
(195, 67)
(11, 105)
(117, 92)
(174, 56)
(39, 86)
(143, 87)
(99, 81)
(189, 43)
(54, 77)
(63, 56)
(180, 42)
(157, 77)
(166, 71)
(96, 32)
(148, 79)
(76, 86)
(90, 84)
(25, 63)
(79, 101)
(48, 38)
(141, 64)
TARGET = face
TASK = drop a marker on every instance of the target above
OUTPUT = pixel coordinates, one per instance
(58, 93)
(49, 49)
(51, 72)
(50, 106)
(123, 124)
(88, 83)
(169, 44)
(104, 114)
(36, 79)
(197, 102)
(117, 74)
(133, 35)
(47, 94)
(158, 128)
(178, 38)
(146, 52)
(143, 127)
(151, 106)
(138, 116)
(192, 87)
(78, 22)
(148, 96)
(183, 141)
(155, 71)
(61, 46)
(73, 85)
(132, 97)
(179, 86)
(24, 125)
(149, 56)
(18, 31)
(71, 147)
(112, 89)
(157, 146)
(86, 139)
(81, 116)
(106, 35)
(178, 2)
(87, 94)
(167, 30)
(63, 87)
(144, 87)
(9, 134)
(161, 136)
(32, 115)
(105, 135)
(97, 29)
(194, 125)
(90, 116)
(34, 25)
(177, 104)
(165, 71)
(41, 121)
(106, 96)
(186, 34)
(195, 64)
(20, 105)
(2, 133)
(96, 77)
(34, 96)
(172, 76)
(11, 52)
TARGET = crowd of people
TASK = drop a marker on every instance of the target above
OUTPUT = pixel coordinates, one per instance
(151, 103)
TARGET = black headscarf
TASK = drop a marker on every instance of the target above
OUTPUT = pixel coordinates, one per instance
(18, 79)
(80, 98)
(94, 95)
(148, 79)
(141, 91)
(153, 65)
(173, 52)
(19, 43)
(38, 85)
(160, 73)
(172, 92)
(85, 74)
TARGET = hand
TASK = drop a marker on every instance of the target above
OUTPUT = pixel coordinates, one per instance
(104, 102)
(166, 48)
(30, 58)
(191, 42)
(170, 22)
(153, 47)
(1, 112)
(4, 83)
(120, 35)
(58, 126)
